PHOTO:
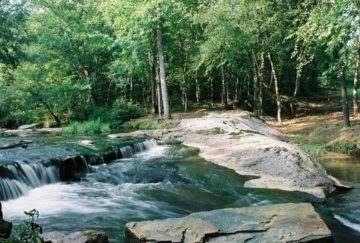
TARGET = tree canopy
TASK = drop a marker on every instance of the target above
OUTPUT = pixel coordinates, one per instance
(63, 61)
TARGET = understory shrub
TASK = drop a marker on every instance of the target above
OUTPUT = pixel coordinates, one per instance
(342, 147)
(144, 124)
(313, 149)
(27, 231)
(89, 127)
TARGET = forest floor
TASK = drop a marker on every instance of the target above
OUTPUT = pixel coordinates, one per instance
(318, 127)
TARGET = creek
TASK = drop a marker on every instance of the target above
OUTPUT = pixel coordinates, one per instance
(144, 181)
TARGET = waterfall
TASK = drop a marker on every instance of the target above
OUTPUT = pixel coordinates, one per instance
(130, 150)
(18, 178)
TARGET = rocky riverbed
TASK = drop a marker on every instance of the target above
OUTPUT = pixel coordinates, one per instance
(239, 141)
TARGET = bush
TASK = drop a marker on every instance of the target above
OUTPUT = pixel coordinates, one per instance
(313, 149)
(342, 147)
(27, 231)
(90, 127)
(123, 111)
(144, 124)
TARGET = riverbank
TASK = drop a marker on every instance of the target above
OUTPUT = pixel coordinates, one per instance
(318, 129)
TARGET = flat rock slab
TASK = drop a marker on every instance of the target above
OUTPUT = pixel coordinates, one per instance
(89, 236)
(272, 223)
(28, 126)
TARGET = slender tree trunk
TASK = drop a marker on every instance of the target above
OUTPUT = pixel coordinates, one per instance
(211, 80)
(158, 93)
(223, 91)
(227, 91)
(297, 81)
(345, 105)
(261, 82)
(52, 113)
(152, 82)
(278, 102)
(197, 83)
(248, 87)
(255, 85)
(356, 79)
(131, 89)
(164, 91)
(236, 96)
(185, 101)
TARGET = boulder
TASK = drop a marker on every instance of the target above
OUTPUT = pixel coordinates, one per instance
(21, 143)
(272, 223)
(29, 126)
(241, 142)
(89, 236)
(5, 227)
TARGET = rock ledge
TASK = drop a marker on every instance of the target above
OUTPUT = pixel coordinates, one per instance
(272, 223)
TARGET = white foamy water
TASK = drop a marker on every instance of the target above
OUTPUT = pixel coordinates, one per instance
(154, 151)
(349, 224)
(51, 200)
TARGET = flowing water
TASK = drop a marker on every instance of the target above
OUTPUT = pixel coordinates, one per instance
(150, 181)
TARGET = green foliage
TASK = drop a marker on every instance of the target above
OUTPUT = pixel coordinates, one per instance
(313, 149)
(63, 61)
(343, 147)
(145, 124)
(27, 231)
(89, 128)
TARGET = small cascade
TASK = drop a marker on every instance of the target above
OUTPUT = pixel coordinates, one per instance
(19, 177)
(130, 150)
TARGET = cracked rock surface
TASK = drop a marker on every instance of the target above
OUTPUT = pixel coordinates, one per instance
(272, 223)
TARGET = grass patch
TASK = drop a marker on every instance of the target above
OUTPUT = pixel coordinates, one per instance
(342, 147)
(147, 124)
(87, 128)
(313, 149)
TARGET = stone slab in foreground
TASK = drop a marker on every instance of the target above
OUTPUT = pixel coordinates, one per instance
(273, 223)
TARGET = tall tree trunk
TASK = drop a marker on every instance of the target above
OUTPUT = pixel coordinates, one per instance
(261, 83)
(185, 101)
(164, 91)
(211, 81)
(236, 96)
(158, 93)
(356, 79)
(197, 83)
(152, 81)
(131, 89)
(345, 105)
(223, 90)
(278, 102)
(297, 81)
(255, 85)
(297, 88)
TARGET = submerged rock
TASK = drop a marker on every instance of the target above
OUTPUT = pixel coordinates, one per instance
(21, 143)
(273, 223)
(89, 236)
